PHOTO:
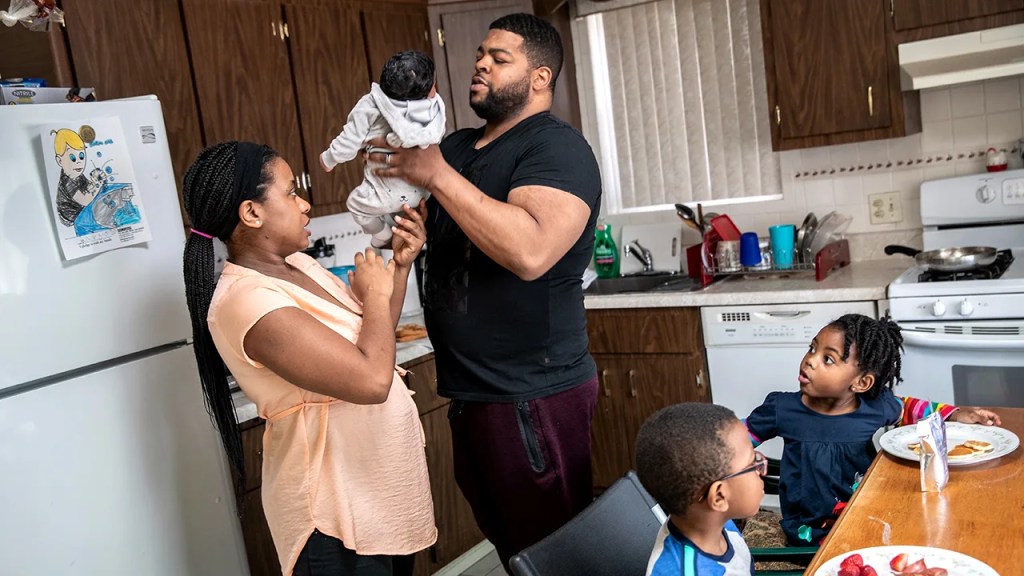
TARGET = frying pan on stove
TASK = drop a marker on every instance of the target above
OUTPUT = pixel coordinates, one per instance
(958, 259)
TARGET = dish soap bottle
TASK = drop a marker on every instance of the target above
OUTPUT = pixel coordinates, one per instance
(606, 253)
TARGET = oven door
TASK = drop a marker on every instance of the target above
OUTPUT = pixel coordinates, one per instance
(964, 363)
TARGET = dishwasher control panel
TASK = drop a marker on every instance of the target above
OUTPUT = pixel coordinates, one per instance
(773, 323)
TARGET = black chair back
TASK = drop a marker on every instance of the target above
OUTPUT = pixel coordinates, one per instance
(614, 536)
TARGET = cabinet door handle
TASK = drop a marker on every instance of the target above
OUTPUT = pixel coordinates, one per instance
(632, 383)
(284, 30)
(273, 29)
(778, 116)
(700, 379)
(305, 179)
(440, 37)
(604, 382)
(871, 101)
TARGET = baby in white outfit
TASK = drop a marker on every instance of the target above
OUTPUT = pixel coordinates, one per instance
(406, 109)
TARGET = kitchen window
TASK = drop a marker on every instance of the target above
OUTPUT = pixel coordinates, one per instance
(672, 99)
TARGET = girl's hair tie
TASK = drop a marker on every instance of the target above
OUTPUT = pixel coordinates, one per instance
(203, 234)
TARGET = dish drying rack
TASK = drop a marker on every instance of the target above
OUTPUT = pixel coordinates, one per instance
(702, 262)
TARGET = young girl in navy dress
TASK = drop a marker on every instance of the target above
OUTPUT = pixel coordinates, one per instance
(846, 380)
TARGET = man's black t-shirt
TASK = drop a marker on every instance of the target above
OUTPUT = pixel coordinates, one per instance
(498, 338)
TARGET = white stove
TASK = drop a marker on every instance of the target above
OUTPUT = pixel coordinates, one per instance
(964, 332)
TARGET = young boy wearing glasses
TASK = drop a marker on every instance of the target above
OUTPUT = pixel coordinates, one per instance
(697, 461)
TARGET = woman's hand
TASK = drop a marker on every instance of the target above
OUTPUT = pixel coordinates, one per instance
(372, 276)
(409, 235)
(969, 415)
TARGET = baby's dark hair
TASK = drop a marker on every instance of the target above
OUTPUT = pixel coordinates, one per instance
(878, 344)
(541, 41)
(408, 76)
(681, 450)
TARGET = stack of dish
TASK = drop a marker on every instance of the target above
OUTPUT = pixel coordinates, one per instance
(814, 234)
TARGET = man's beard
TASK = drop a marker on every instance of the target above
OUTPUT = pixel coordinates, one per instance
(502, 104)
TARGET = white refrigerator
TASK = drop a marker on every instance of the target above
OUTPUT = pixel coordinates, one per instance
(108, 461)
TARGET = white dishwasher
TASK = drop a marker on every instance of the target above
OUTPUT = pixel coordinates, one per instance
(757, 349)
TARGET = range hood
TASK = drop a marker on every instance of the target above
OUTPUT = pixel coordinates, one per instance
(970, 57)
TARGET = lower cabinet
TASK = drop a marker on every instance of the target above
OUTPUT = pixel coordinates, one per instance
(647, 359)
(457, 530)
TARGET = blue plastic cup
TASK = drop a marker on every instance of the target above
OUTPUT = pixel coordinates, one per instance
(782, 236)
(750, 252)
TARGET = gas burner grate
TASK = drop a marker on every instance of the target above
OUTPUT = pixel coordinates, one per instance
(994, 270)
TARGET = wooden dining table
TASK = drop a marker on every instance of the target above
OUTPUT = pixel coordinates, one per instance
(980, 512)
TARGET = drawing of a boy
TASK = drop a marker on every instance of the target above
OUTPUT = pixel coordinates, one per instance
(73, 192)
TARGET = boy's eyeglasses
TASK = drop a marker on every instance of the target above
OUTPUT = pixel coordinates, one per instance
(760, 466)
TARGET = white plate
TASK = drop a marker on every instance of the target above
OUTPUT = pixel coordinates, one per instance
(1004, 442)
(878, 558)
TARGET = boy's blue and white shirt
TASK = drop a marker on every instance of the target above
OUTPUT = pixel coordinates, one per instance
(675, 555)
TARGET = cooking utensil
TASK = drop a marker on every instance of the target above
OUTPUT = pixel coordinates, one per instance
(688, 216)
(829, 229)
(810, 223)
(958, 259)
(700, 217)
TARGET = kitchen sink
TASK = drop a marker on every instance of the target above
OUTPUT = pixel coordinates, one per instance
(662, 282)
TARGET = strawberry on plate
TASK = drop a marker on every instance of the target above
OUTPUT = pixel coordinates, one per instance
(898, 562)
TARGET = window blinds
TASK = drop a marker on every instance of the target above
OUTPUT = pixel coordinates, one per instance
(677, 99)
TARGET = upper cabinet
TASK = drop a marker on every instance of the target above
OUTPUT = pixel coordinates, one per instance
(243, 74)
(458, 28)
(909, 14)
(99, 35)
(832, 66)
(830, 76)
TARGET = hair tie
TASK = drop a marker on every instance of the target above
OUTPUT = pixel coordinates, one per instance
(203, 234)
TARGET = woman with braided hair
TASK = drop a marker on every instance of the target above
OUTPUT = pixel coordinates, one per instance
(846, 394)
(345, 486)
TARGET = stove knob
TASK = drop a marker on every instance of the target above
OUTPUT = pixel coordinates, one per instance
(985, 194)
(966, 308)
(938, 309)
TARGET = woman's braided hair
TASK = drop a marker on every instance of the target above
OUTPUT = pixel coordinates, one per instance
(879, 344)
(212, 202)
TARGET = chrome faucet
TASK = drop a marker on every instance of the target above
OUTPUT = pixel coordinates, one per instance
(642, 254)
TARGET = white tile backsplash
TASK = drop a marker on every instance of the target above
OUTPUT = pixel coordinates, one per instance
(967, 99)
(956, 120)
(970, 134)
(1004, 128)
(935, 105)
(1002, 95)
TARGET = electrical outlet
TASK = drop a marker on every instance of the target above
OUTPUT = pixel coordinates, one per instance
(885, 207)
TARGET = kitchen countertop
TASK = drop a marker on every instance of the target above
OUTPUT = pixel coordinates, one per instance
(405, 352)
(859, 281)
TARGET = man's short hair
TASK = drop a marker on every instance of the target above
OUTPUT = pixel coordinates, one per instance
(541, 41)
(407, 76)
(681, 450)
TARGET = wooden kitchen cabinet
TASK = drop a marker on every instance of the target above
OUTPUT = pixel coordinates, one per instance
(909, 14)
(287, 72)
(647, 359)
(329, 65)
(259, 545)
(832, 66)
(457, 30)
(243, 76)
(98, 33)
(832, 76)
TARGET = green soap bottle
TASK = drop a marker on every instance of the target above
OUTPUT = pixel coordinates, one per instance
(606, 253)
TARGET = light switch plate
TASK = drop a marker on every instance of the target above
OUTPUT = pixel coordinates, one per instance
(885, 207)
(663, 240)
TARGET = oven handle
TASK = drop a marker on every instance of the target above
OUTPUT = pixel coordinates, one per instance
(922, 340)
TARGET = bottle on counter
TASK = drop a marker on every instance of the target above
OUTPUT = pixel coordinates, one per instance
(606, 253)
